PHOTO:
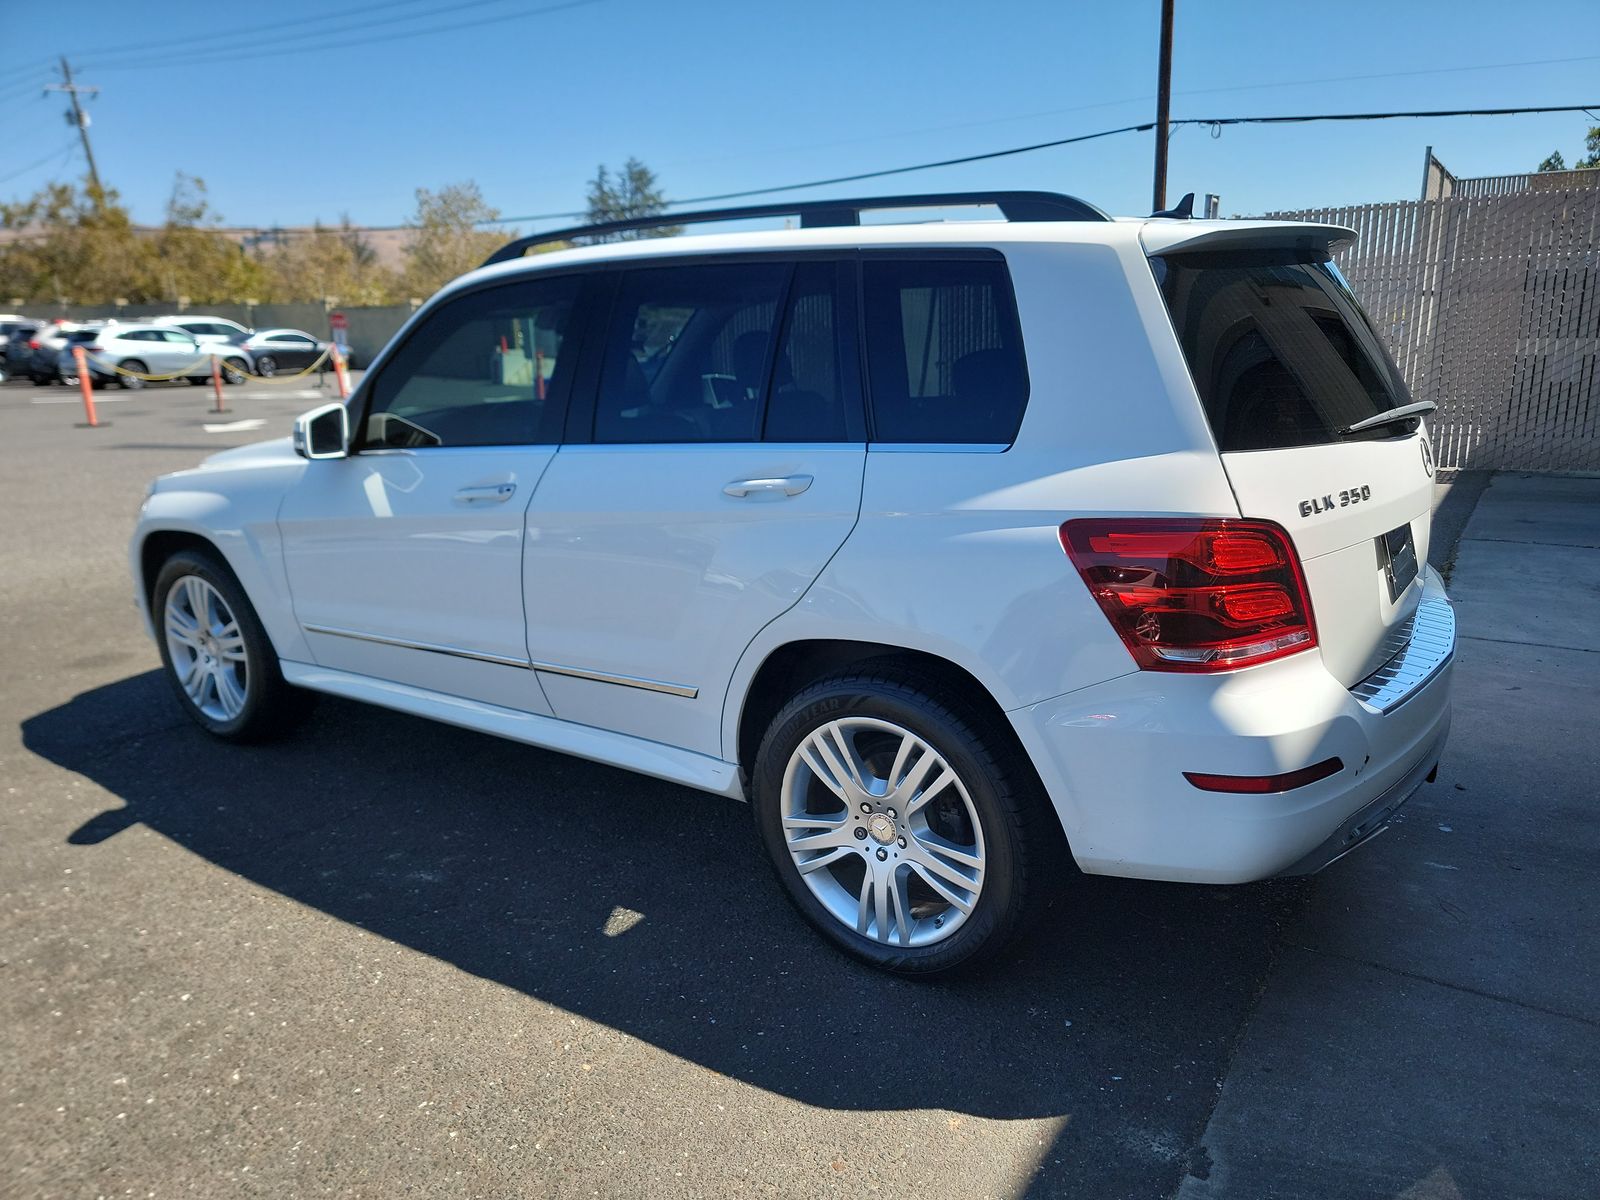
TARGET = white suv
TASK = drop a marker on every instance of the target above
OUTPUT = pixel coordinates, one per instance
(936, 542)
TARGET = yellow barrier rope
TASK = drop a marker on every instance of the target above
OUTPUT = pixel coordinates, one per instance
(225, 364)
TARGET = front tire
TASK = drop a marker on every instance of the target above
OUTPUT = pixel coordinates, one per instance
(233, 371)
(132, 383)
(217, 656)
(897, 820)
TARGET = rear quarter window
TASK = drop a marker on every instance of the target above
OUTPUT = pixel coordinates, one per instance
(944, 351)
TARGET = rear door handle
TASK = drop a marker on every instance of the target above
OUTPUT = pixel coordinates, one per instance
(787, 485)
(494, 493)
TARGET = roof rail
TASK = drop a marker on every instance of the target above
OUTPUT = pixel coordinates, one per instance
(817, 214)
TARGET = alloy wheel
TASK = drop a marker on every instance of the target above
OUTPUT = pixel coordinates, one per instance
(883, 831)
(207, 648)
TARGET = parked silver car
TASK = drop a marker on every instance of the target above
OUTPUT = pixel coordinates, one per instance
(128, 353)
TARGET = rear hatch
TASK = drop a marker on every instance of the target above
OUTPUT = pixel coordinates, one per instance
(1286, 362)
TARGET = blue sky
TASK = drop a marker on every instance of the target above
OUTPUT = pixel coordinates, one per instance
(347, 114)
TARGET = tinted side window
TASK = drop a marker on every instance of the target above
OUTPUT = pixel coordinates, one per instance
(483, 370)
(807, 396)
(944, 353)
(688, 353)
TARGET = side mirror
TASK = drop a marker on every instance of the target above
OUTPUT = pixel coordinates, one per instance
(323, 432)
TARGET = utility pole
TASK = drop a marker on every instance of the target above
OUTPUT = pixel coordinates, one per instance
(1163, 107)
(81, 119)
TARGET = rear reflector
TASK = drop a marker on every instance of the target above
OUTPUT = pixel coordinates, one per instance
(1208, 594)
(1259, 784)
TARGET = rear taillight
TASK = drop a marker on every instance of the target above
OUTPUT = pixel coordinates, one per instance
(33, 344)
(1195, 595)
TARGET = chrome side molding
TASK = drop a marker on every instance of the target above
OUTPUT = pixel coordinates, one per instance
(682, 690)
(633, 681)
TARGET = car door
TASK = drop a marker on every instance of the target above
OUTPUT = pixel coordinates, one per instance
(179, 352)
(405, 558)
(712, 469)
(144, 345)
(292, 350)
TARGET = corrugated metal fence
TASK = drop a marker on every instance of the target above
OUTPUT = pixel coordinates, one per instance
(1491, 307)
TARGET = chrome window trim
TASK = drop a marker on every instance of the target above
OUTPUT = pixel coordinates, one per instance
(634, 681)
(1418, 649)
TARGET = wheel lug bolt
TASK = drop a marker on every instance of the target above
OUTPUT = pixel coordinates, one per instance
(861, 833)
(893, 814)
(883, 855)
(866, 808)
(902, 843)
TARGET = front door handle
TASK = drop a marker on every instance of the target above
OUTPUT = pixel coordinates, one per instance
(494, 493)
(787, 485)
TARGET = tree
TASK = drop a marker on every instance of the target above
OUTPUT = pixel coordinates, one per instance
(446, 241)
(189, 257)
(1589, 162)
(71, 248)
(632, 192)
(328, 263)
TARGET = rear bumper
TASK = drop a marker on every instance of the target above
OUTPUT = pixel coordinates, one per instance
(1112, 758)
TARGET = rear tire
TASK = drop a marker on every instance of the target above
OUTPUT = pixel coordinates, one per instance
(132, 383)
(216, 655)
(266, 366)
(893, 861)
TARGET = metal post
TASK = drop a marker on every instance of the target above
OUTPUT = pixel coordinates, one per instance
(1163, 107)
(84, 382)
(216, 384)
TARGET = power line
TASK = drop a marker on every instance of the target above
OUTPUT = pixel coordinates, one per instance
(1139, 128)
(38, 82)
(278, 26)
(321, 35)
(1014, 150)
(58, 152)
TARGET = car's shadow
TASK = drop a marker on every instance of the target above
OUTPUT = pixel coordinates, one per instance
(650, 908)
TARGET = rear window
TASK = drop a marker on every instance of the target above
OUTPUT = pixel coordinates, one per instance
(944, 354)
(1281, 352)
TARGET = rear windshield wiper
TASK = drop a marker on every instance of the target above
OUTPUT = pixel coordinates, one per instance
(1420, 409)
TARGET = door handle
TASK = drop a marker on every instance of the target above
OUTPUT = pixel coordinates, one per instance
(494, 493)
(787, 485)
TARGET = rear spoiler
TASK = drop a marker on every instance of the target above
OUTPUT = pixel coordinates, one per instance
(1181, 237)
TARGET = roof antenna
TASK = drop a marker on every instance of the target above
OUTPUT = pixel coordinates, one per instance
(1182, 212)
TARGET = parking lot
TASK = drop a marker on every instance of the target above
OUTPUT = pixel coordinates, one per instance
(389, 957)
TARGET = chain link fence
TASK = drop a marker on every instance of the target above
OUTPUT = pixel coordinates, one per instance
(1491, 307)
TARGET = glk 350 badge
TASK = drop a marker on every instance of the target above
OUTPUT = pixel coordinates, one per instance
(1344, 499)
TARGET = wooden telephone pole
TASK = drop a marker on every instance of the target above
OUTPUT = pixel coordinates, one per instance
(1163, 107)
(80, 119)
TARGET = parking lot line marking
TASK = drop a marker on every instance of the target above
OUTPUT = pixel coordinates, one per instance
(236, 426)
(301, 394)
(78, 400)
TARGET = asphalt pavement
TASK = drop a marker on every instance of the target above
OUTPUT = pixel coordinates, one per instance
(387, 957)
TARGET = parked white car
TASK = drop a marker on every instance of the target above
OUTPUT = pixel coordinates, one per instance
(129, 354)
(206, 329)
(936, 542)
